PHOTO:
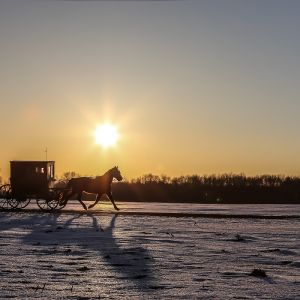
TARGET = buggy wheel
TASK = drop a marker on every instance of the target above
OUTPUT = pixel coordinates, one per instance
(18, 201)
(42, 204)
(23, 202)
(56, 196)
(53, 201)
(13, 202)
(61, 206)
(63, 198)
(61, 202)
(5, 196)
(52, 204)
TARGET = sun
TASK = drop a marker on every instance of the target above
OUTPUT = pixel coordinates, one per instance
(106, 135)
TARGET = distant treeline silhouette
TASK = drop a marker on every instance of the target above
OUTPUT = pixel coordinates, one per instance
(224, 188)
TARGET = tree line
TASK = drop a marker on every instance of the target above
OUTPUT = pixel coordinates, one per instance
(224, 188)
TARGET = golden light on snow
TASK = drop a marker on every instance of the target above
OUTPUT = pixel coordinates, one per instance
(106, 135)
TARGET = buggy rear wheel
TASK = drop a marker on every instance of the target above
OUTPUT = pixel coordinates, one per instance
(23, 202)
(18, 200)
(13, 202)
(5, 196)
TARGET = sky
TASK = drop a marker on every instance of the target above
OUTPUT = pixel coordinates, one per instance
(194, 87)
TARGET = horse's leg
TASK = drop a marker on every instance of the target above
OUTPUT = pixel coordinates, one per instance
(109, 195)
(96, 201)
(81, 202)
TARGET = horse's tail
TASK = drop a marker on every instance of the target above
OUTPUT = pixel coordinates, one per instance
(69, 184)
(68, 188)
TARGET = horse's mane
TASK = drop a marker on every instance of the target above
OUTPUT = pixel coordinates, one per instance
(109, 171)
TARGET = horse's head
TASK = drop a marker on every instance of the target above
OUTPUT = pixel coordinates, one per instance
(115, 172)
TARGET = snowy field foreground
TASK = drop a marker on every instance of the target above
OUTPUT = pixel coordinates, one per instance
(185, 209)
(71, 255)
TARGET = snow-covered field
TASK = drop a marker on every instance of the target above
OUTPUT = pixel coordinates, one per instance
(72, 255)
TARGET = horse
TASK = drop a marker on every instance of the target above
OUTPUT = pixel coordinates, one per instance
(99, 185)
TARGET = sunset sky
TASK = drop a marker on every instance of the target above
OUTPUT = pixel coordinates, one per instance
(191, 86)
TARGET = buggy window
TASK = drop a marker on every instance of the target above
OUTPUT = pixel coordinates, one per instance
(50, 171)
(39, 170)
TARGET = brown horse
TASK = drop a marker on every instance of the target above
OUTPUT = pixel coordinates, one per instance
(99, 185)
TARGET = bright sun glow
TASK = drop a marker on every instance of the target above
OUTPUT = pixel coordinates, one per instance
(106, 135)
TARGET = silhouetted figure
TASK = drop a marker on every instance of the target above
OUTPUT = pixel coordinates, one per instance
(99, 185)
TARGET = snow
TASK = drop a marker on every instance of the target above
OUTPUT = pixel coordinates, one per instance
(183, 209)
(96, 255)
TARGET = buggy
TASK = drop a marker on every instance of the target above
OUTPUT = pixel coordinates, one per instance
(30, 180)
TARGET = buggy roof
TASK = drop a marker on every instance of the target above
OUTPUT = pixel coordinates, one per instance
(32, 161)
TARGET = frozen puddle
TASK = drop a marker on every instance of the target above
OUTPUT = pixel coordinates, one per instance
(86, 256)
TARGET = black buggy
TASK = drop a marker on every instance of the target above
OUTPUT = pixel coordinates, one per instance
(30, 180)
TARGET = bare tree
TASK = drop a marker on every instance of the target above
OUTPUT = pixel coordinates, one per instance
(69, 175)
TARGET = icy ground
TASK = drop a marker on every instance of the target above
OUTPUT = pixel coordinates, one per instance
(186, 208)
(71, 255)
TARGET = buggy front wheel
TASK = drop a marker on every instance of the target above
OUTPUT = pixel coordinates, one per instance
(54, 198)
(52, 204)
(42, 204)
(57, 196)
(47, 204)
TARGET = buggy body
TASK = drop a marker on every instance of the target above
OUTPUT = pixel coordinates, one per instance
(31, 179)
